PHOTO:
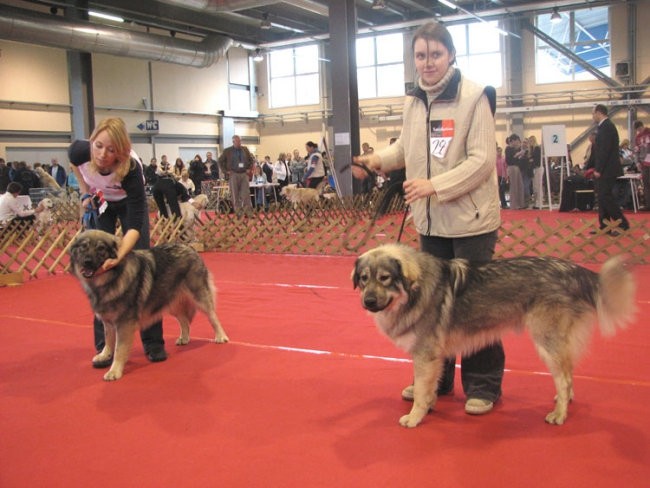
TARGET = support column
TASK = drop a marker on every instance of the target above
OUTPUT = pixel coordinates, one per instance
(80, 82)
(345, 97)
(515, 77)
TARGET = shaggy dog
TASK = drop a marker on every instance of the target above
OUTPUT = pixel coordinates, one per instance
(435, 308)
(44, 216)
(46, 178)
(134, 294)
(301, 196)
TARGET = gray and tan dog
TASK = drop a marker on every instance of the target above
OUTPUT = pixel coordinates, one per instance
(144, 285)
(434, 308)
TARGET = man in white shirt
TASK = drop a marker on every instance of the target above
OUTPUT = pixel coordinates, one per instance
(12, 208)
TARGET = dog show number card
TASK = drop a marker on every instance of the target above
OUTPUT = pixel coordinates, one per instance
(442, 132)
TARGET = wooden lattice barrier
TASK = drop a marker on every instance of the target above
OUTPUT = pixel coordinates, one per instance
(336, 228)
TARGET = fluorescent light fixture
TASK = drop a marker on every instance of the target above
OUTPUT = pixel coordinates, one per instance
(449, 4)
(101, 15)
(555, 16)
(378, 5)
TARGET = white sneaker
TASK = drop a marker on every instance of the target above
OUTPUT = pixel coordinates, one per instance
(478, 406)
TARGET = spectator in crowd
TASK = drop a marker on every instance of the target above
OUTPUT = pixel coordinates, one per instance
(267, 168)
(281, 172)
(58, 173)
(515, 180)
(165, 165)
(151, 172)
(259, 178)
(187, 183)
(315, 168)
(535, 152)
(642, 153)
(72, 183)
(179, 166)
(11, 208)
(236, 162)
(197, 172)
(5, 176)
(211, 167)
(502, 174)
(297, 167)
(26, 177)
(607, 169)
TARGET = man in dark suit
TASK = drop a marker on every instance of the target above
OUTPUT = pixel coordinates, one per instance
(607, 168)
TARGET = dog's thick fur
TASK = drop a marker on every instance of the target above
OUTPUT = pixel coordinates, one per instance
(305, 196)
(47, 181)
(45, 217)
(145, 284)
(191, 210)
(436, 308)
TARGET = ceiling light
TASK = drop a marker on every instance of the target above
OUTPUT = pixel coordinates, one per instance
(100, 15)
(266, 23)
(555, 16)
(378, 5)
(258, 56)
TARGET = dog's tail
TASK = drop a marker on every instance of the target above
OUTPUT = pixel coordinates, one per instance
(616, 301)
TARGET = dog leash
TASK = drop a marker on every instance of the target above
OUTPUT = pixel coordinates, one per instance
(382, 207)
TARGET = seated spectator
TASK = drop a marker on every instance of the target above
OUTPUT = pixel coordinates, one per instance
(179, 166)
(151, 172)
(12, 208)
(259, 178)
(187, 182)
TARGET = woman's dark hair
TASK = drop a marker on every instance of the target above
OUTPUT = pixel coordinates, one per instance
(14, 187)
(435, 31)
(313, 145)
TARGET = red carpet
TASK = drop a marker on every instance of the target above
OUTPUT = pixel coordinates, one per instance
(305, 395)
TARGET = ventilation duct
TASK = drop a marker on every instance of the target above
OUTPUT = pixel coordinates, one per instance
(35, 28)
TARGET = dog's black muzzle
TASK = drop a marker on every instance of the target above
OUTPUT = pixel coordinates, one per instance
(372, 304)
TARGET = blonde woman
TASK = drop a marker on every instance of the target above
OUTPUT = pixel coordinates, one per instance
(535, 152)
(187, 182)
(109, 172)
(179, 166)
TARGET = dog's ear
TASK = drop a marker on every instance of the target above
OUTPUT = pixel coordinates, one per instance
(408, 273)
(355, 274)
(114, 244)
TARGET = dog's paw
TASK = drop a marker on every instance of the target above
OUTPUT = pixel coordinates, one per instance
(112, 375)
(556, 418)
(221, 339)
(408, 421)
(182, 342)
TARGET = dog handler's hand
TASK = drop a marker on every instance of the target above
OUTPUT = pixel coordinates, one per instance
(371, 161)
(416, 189)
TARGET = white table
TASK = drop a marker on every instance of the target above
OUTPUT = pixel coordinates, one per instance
(634, 179)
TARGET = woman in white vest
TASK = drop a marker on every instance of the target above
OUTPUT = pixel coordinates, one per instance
(447, 146)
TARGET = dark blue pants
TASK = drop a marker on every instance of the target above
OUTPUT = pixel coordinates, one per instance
(152, 337)
(482, 371)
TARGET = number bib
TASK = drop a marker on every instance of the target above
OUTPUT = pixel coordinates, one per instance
(441, 134)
